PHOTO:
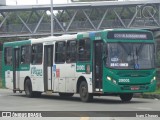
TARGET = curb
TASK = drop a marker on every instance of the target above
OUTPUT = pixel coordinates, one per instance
(149, 96)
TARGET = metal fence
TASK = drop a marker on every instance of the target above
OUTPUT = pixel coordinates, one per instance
(76, 26)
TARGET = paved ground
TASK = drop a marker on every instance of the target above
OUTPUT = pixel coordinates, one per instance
(18, 102)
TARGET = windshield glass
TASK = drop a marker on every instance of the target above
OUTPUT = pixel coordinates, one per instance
(130, 55)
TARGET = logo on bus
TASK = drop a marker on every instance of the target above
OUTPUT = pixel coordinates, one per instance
(36, 71)
(80, 67)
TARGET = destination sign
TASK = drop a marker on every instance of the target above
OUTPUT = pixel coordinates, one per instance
(127, 35)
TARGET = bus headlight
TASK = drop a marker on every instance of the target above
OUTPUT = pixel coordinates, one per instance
(109, 78)
(154, 78)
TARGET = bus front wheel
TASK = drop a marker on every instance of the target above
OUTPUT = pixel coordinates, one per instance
(83, 91)
(126, 97)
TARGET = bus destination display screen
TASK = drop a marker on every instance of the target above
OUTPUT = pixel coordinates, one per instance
(128, 35)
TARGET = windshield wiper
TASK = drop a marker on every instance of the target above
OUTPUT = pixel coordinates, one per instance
(137, 51)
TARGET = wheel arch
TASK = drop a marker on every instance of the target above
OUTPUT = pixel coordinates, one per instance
(80, 79)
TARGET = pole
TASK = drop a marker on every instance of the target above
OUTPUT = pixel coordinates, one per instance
(51, 17)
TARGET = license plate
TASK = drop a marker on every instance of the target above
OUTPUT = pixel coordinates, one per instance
(134, 88)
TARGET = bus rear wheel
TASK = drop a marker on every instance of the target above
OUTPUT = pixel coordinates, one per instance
(126, 97)
(83, 91)
(28, 88)
(66, 94)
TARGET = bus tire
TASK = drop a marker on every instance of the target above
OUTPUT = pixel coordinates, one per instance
(83, 91)
(126, 97)
(66, 94)
(28, 88)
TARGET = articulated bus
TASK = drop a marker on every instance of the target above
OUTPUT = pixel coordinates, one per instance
(107, 62)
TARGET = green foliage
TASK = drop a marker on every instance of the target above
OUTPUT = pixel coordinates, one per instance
(27, 16)
(0, 83)
(156, 92)
(96, 14)
(63, 16)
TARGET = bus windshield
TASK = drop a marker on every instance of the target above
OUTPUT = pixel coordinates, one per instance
(130, 55)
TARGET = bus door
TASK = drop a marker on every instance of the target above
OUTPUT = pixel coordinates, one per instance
(97, 65)
(16, 72)
(48, 63)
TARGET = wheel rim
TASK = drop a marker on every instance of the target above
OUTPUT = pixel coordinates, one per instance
(84, 91)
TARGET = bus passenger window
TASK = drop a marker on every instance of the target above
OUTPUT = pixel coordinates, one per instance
(25, 54)
(8, 56)
(37, 50)
(84, 50)
(60, 52)
(71, 51)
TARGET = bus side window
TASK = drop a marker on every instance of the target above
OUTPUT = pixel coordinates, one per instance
(71, 51)
(25, 54)
(84, 50)
(37, 50)
(8, 56)
(60, 52)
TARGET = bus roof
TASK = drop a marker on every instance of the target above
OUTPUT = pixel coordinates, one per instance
(106, 30)
(54, 38)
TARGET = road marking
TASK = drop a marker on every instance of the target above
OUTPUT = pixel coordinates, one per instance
(84, 118)
(144, 108)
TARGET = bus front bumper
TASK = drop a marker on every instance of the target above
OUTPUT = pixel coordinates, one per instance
(115, 88)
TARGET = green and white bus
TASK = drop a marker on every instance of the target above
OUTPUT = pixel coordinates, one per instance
(108, 62)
